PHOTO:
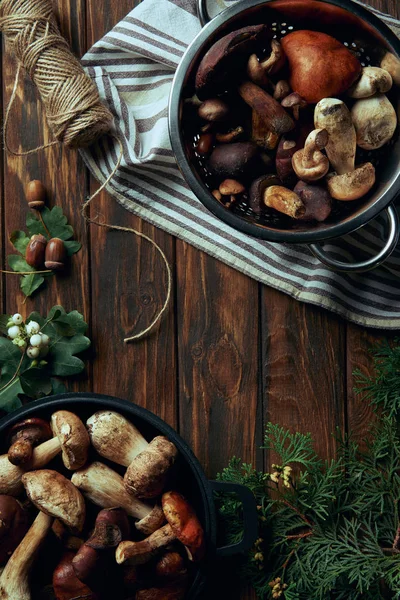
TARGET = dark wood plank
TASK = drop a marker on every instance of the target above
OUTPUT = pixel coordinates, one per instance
(303, 364)
(129, 287)
(61, 171)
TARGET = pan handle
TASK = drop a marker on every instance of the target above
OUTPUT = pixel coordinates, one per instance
(370, 263)
(202, 12)
(250, 517)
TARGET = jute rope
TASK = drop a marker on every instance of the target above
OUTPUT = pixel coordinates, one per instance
(74, 111)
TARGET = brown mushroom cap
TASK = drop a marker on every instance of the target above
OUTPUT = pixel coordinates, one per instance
(24, 436)
(213, 110)
(175, 590)
(147, 474)
(353, 185)
(222, 59)
(73, 437)
(66, 585)
(257, 189)
(234, 160)
(316, 199)
(14, 524)
(55, 495)
(309, 163)
(184, 523)
(170, 566)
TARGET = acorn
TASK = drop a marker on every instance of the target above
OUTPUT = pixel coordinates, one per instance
(55, 255)
(35, 251)
(35, 194)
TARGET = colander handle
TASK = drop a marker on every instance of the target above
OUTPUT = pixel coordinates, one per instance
(250, 517)
(370, 263)
(202, 12)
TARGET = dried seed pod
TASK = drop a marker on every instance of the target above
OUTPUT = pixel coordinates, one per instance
(55, 255)
(35, 194)
(35, 251)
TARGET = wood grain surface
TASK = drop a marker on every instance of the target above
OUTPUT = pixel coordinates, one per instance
(229, 355)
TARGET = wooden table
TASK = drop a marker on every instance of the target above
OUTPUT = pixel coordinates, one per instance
(231, 353)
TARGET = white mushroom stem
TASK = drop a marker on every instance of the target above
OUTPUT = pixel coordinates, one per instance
(316, 141)
(11, 475)
(14, 581)
(138, 553)
(334, 116)
(105, 488)
(375, 121)
(115, 438)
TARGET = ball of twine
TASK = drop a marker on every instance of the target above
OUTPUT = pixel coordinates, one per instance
(74, 111)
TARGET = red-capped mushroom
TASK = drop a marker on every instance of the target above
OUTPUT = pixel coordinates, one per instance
(66, 585)
(183, 525)
(14, 523)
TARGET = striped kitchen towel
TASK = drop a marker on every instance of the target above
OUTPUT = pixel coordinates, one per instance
(133, 67)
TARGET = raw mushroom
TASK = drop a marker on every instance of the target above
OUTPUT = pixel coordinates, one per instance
(14, 524)
(183, 525)
(295, 103)
(316, 199)
(288, 146)
(115, 438)
(334, 116)
(71, 439)
(14, 580)
(257, 189)
(111, 528)
(213, 110)
(175, 590)
(258, 70)
(391, 63)
(282, 90)
(348, 182)
(66, 585)
(24, 437)
(261, 133)
(105, 488)
(234, 160)
(230, 136)
(170, 566)
(320, 66)
(310, 164)
(373, 80)
(224, 58)
(269, 109)
(55, 495)
(375, 121)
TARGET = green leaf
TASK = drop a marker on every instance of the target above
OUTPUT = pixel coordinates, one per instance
(31, 283)
(19, 240)
(9, 400)
(10, 356)
(3, 323)
(55, 221)
(36, 382)
(67, 324)
(18, 263)
(57, 386)
(72, 247)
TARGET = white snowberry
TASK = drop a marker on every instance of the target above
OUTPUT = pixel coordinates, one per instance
(36, 340)
(17, 319)
(45, 339)
(33, 352)
(32, 328)
(14, 332)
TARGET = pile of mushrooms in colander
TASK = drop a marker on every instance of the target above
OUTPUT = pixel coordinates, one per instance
(312, 105)
(132, 533)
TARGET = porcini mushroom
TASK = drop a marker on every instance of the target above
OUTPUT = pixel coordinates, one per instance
(170, 566)
(66, 585)
(316, 199)
(288, 146)
(213, 110)
(105, 488)
(391, 64)
(373, 80)
(230, 136)
(348, 182)
(375, 121)
(14, 524)
(320, 66)
(183, 525)
(257, 189)
(111, 527)
(269, 109)
(295, 103)
(14, 580)
(55, 495)
(261, 133)
(309, 163)
(115, 438)
(71, 439)
(234, 160)
(24, 436)
(175, 590)
(224, 57)
(258, 70)
(284, 201)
